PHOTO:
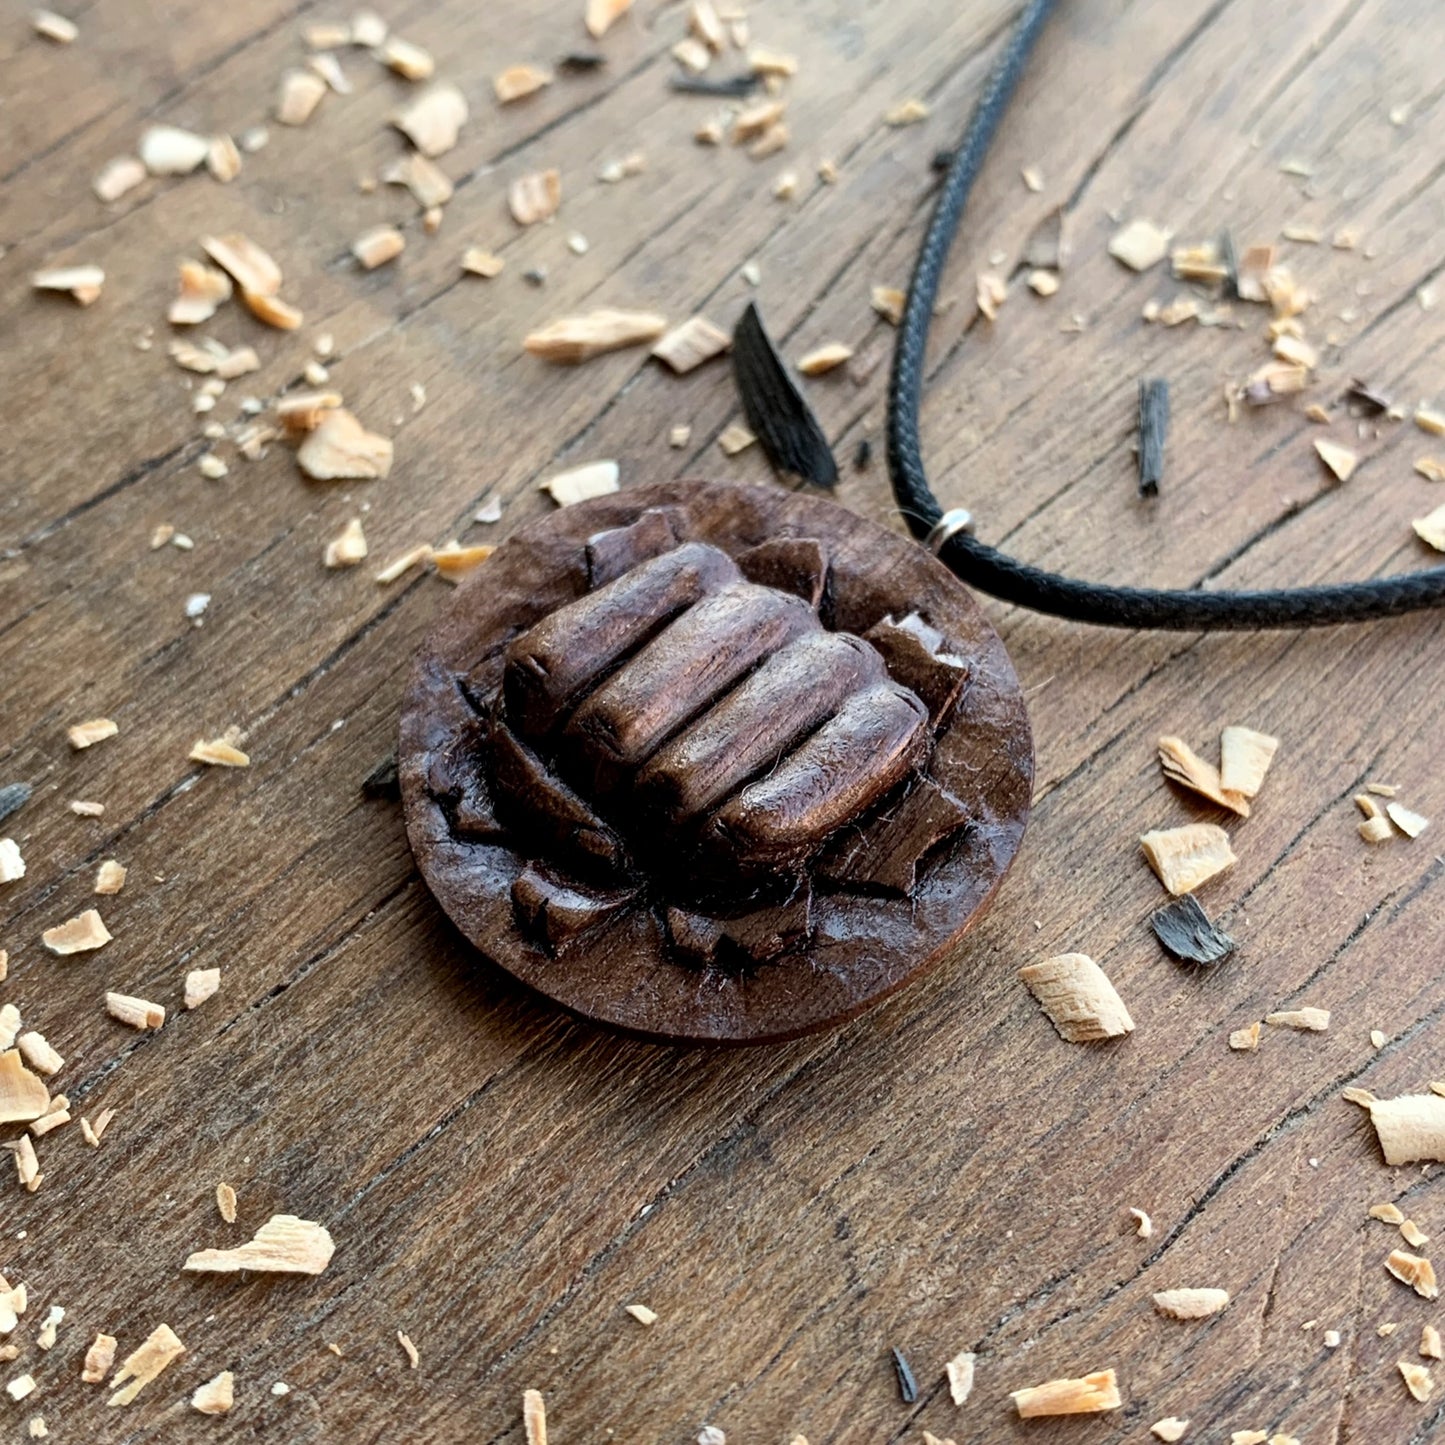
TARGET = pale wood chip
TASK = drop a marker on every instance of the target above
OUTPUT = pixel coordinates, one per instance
(1088, 1395)
(212, 467)
(1430, 420)
(23, 1095)
(1411, 824)
(534, 1417)
(1169, 1429)
(1078, 998)
(1339, 459)
(201, 984)
(83, 283)
(237, 363)
(54, 1318)
(1245, 756)
(642, 1314)
(959, 1371)
(1388, 1213)
(12, 864)
(377, 246)
(479, 262)
(1244, 1040)
(58, 1114)
(139, 1013)
(98, 1359)
(1418, 1380)
(273, 311)
(328, 67)
(85, 809)
(574, 339)
(368, 29)
(300, 93)
(251, 267)
(425, 180)
(755, 120)
(37, 1051)
(37, 1428)
(1430, 529)
(1249, 1437)
(1298, 352)
(50, 26)
(786, 186)
(824, 358)
(907, 112)
(535, 196)
(409, 61)
(93, 1133)
(1415, 1237)
(216, 1396)
(117, 176)
(1043, 283)
(341, 449)
(412, 1354)
(692, 54)
(1376, 830)
(518, 81)
(20, 1387)
(1182, 765)
(77, 935)
(226, 1202)
(888, 302)
(9, 1025)
(704, 22)
(201, 290)
(400, 566)
(1190, 1304)
(166, 150)
(1140, 245)
(87, 734)
(1143, 1225)
(772, 140)
(1377, 1038)
(218, 753)
(453, 562)
(601, 14)
(433, 121)
(990, 291)
(687, 346)
(580, 484)
(1413, 1270)
(327, 35)
(347, 548)
(1430, 1343)
(162, 1347)
(630, 165)
(1310, 1020)
(283, 1245)
(1185, 857)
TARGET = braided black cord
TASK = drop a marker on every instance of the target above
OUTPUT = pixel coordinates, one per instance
(991, 571)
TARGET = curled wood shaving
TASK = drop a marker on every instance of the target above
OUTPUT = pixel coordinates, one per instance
(454, 562)
(479, 262)
(1245, 1040)
(249, 265)
(1340, 460)
(574, 339)
(1078, 998)
(409, 61)
(166, 150)
(201, 984)
(1144, 1226)
(50, 26)
(378, 246)
(403, 564)
(534, 1417)
(1298, 352)
(23, 1095)
(139, 1013)
(98, 1359)
(87, 734)
(37, 1051)
(579, 484)
(426, 181)
(642, 1314)
(218, 753)
(1182, 765)
(535, 196)
(1310, 1020)
(301, 92)
(1088, 1395)
(1190, 1304)
(77, 935)
(273, 311)
(1245, 756)
(433, 121)
(1413, 1270)
(1430, 529)
(1140, 245)
(347, 548)
(686, 347)
(117, 176)
(412, 1354)
(601, 14)
(1418, 1380)
(216, 1396)
(959, 1371)
(162, 1347)
(1185, 857)
(283, 1245)
(82, 282)
(341, 449)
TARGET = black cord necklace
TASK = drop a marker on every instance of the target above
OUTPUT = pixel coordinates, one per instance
(1005, 577)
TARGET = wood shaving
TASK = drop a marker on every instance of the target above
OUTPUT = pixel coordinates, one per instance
(433, 121)
(301, 92)
(774, 63)
(216, 1396)
(1431, 468)
(703, 21)
(93, 1133)
(23, 1095)
(368, 29)
(327, 35)
(166, 150)
(403, 564)
(1430, 529)
(1413, 1270)
(304, 411)
(12, 865)
(1249, 1437)
(601, 15)
(201, 984)
(735, 438)
(679, 436)
(83, 283)
(58, 1114)
(412, 1354)
(535, 196)
(377, 246)
(1409, 823)
(226, 1202)
(162, 1347)
(630, 165)
(1245, 756)
(341, 449)
(139, 1013)
(1043, 283)
(478, 262)
(1430, 1343)
(98, 1359)
(50, 26)
(1417, 1379)
(54, 1317)
(427, 182)
(1170, 1429)
(772, 140)
(218, 753)
(642, 1314)
(87, 734)
(786, 186)
(1143, 1225)
(1376, 830)
(347, 548)
(1339, 459)
(273, 311)
(1414, 1236)
(1427, 419)
(283, 1245)
(1310, 1020)
(960, 1370)
(1078, 998)
(1182, 765)
(409, 61)
(37, 1429)
(888, 303)
(202, 289)
(1245, 1040)
(822, 359)
(1088, 1395)
(329, 69)
(1298, 352)
(1184, 858)
(692, 55)
(1140, 245)
(37, 1051)
(9, 1025)
(20, 1387)
(117, 176)
(687, 346)
(250, 266)
(1387, 1213)
(77, 935)
(755, 120)
(907, 112)
(990, 291)
(580, 484)
(534, 1417)
(453, 562)
(1190, 1304)
(85, 809)
(212, 467)
(574, 339)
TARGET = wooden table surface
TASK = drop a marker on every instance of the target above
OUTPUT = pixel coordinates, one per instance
(944, 1174)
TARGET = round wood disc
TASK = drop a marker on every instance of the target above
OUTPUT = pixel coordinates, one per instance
(870, 925)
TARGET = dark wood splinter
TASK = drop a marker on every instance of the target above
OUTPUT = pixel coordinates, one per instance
(1153, 429)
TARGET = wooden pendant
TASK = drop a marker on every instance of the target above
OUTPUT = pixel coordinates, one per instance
(712, 763)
